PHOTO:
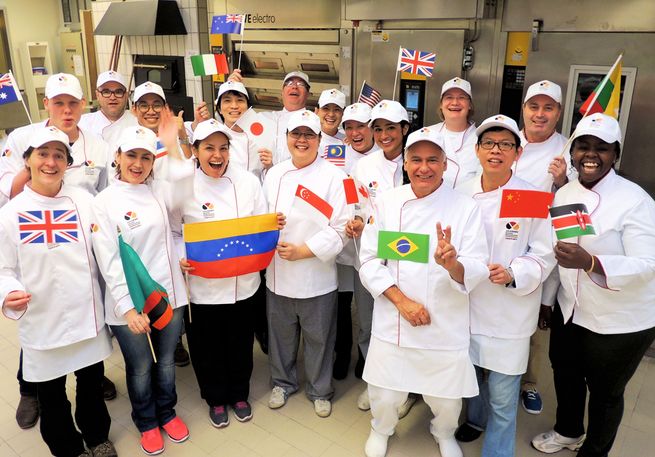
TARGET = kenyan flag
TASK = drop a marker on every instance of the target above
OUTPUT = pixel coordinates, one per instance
(572, 220)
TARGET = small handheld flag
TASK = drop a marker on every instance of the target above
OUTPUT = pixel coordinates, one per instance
(336, 154)
(606, 96)
(351, 191)
(572, 220)
(416, 62)
(9, 92)
(369, 95)
(147, 295)
(228, 23)
(312, 206)
(209, 64)
(525, 203)
(413, 247)
(231, 247)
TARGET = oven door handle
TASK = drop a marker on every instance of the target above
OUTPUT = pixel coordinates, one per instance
(151, 66)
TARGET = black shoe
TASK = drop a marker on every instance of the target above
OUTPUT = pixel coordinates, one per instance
(181, 355)
(465, 433)
(359, 366)
(340, 367)
(108, 389)
(262, 339)
(27, 413)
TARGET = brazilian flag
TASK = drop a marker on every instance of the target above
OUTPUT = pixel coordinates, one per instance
(414, 247)
(147, 295)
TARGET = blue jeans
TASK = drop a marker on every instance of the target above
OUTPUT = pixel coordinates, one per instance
(151, 386)
(495, 410)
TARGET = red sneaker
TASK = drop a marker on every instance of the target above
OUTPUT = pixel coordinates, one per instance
(177, 430)
(152, 442)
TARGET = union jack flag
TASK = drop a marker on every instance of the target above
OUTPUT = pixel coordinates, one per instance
(48, 226)
(234, 18)
(336, 154)
(417, 62)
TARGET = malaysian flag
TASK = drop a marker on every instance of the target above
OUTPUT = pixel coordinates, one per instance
(228, 23)
(417, 62)
(48, 226)
(8, 89)
(369, 95)
(336, 154)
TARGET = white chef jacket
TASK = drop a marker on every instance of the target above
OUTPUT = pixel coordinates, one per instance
(315, 276)
(88, 171)
(379, 174)
(429, 284)
(463, 163)
(532, 165)
(525, 245)
(139, 211)
(623, 217)
(63, 327)
(504, 318)
(244, 153)
(281, 119)
(235, 194)
(110, 131)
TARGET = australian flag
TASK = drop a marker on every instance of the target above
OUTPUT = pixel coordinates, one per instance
(48, 226)
(417, 62)
(8, 89)
(228, 23)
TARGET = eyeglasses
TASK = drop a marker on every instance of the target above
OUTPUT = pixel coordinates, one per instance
(309, 136)
(504, 146)
(118, 93)
(295, 83)
(143, 107)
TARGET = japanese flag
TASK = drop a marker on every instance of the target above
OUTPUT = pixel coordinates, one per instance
(260, 130)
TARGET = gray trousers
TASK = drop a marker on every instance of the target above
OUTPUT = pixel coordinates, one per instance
(316, 319)
(364, 303)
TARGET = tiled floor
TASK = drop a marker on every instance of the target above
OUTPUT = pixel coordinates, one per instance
(294, 430)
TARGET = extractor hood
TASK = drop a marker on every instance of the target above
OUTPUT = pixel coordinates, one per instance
(148, 17)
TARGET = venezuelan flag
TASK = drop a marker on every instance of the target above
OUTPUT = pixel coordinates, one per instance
(232, 247)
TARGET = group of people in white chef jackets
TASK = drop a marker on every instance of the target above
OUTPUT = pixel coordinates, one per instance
(456, 326)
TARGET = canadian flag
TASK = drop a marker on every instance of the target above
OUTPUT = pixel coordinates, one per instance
(259, 129)
(311, 206)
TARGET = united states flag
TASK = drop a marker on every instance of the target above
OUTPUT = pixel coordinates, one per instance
(369, 95)
(48, 226)
(417, 62)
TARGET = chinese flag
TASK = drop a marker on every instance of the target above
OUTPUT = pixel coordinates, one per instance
(525, 203)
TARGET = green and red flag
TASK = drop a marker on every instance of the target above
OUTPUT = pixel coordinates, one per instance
(209, 64)
(572, 220)
(414, 247)
(147, 295)
(606, 97)
(525, 203)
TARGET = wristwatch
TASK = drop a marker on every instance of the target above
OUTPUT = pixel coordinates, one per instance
(512, 283)
(184, 142)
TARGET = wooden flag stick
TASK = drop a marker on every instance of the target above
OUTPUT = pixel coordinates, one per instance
(152, 349)
(188, 293)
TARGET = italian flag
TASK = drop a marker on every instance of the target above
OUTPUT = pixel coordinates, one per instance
(209, 64)
(606, 97)
(571, 221)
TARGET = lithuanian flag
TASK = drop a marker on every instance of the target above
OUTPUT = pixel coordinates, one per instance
(572, 220)
(606, 97)
(147, 295)
(414, 247)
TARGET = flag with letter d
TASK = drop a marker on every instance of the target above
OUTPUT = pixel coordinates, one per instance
(572, 220)
(414, 247)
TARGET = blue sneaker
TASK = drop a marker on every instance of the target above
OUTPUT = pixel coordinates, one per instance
(531, 401)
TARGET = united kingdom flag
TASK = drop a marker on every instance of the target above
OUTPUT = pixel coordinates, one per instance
(417, 62)
(48, 226)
